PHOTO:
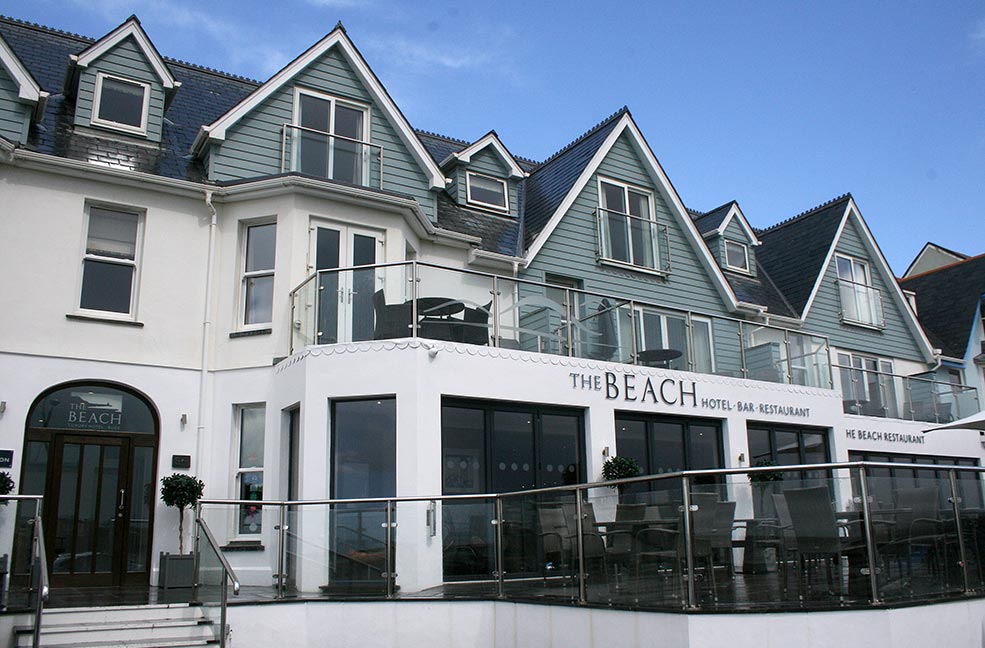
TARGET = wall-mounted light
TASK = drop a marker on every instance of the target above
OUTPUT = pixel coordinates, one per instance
(742, 457)
(184, 419)
(605, 451)
(3, 406)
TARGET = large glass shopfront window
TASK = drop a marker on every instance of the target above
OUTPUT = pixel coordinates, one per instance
(497, 447)
(778, 445)
(364, 464)
(885, 484)
(666, 444)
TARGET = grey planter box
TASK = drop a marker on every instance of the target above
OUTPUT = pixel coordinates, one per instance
(177, 571)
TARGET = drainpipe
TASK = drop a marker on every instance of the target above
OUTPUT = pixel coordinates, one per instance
(206, 335)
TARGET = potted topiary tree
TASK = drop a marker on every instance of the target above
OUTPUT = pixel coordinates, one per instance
(620, 468)
(6, 485)
(181, 492)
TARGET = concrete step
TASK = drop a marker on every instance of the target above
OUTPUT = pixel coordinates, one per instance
(170, 626)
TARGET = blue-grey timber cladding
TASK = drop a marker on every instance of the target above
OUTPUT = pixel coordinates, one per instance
(127, 61)
(14, 115)
(824, 318)
(252, 147)
(485, 162)
(572, 248)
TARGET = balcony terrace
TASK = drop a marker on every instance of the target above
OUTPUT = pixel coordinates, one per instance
(418, 299)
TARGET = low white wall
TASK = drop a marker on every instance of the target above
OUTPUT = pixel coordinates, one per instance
(452, 624)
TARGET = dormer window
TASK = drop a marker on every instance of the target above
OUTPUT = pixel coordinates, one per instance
(736, 256)
(486, 191)
(120, 104)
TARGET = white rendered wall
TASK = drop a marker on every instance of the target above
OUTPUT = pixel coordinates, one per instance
(440, 624)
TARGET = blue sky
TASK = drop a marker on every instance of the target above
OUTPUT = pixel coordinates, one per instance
(780, 106)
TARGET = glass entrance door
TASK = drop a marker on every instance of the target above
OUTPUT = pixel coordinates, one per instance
(87, 521)
(345, 299)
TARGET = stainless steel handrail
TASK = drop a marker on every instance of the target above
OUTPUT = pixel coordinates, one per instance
(603, 484)
(228, 574)
(42, 558)
(283, 144)
(859, 472)
(824, 345)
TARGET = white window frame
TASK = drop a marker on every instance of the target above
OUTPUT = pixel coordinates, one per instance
(609, 260)
(240, 470)
(473, 201)
(745, 255)
(97, 100)
(333, 102)
(245, 274)
(863, 305)
(134, 263)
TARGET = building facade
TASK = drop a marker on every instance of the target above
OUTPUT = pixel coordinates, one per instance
(288, 291)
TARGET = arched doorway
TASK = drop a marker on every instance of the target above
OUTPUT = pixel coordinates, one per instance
(91, 449)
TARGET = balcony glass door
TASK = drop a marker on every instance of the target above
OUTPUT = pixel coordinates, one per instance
(345, 299)
(329, 139)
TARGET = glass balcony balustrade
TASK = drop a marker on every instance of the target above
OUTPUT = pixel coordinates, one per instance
(417, 299)
(335, 157)
(861, 304)
(807, 537)
(913, 398)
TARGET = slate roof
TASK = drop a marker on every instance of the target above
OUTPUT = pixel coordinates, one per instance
(441, 146)
(947, 299)
(499, 234)
(709, 221)
(204, 96)
(760, 290)
(793, 252)
(549, 183)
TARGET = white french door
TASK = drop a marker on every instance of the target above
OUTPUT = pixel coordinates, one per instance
(345, 298)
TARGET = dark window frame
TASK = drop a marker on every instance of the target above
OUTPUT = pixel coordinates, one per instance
(537, 410)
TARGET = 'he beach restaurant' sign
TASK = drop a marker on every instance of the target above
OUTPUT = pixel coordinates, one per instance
(672, 391)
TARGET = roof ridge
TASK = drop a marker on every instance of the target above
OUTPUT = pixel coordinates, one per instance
(804, 214)
(45, 28)
(695, 214)
(977, 257)
(203, 68)
(90, 40)
(591, 131)
(447, 138)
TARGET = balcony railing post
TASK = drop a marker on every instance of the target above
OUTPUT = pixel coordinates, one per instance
(568, 314)
(690, 341)
(691, 597)
(956, 507)
(495, 311)
(908, 387)
(500, 589)
(381, 166)
(414, 289)
(789, 362)
(282, 530)
(870, 548)
(634, 343)
(935, 399)
(388, 549)
(831, 370)
(579, 522)
(742, 349)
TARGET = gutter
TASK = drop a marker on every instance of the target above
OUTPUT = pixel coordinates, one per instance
(477, 255)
